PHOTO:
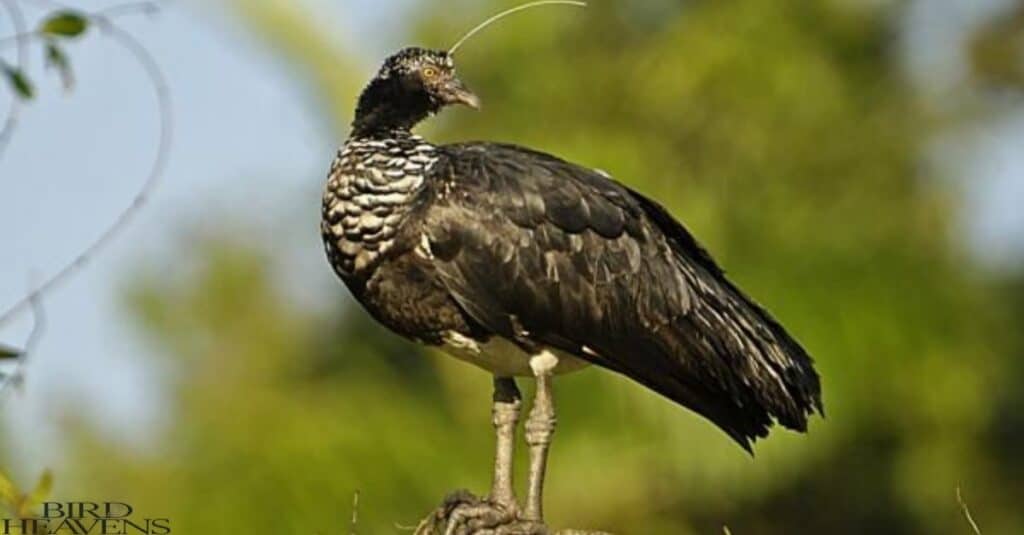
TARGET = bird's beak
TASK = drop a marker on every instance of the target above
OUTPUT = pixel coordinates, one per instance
(455, 92)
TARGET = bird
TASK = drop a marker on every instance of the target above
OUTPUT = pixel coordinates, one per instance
(527, 265)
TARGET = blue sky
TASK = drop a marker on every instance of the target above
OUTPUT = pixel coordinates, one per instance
(251, 144)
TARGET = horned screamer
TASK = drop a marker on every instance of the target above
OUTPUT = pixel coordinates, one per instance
(530, 266)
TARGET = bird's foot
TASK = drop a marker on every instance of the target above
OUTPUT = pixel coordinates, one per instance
(462, 513)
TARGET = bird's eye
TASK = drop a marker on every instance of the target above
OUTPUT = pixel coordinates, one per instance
(430, 72)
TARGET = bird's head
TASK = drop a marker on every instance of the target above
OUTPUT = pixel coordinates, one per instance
(410, 85)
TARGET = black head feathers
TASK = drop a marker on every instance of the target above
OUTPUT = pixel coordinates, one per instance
(410, 85)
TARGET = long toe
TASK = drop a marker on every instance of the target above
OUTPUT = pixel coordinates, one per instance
(481, 517)
(462, 513)
(522, 527)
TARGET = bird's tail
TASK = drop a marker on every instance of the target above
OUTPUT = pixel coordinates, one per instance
(750, 372)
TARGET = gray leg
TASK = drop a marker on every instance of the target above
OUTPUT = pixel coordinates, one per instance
(539, 428)
(505, 416)
(464, 513)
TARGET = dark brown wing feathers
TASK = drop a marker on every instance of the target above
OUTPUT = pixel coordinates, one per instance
(545, 252)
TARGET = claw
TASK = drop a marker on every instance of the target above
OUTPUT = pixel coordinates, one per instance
(476, 517)
(462, 513)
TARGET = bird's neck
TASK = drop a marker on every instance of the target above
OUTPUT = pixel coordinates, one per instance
(381, 134)
(386, 107)
(393, 155)
(382, 123)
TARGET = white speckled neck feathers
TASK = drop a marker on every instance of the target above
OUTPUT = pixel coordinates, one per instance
(372, 184)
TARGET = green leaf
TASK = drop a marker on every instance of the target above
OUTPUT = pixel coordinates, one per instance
(8, 492)
(42, 491)
(8, 353)
(19, 82)
(65, 24)
(55, 57)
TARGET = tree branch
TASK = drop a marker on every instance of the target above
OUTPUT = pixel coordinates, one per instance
(17, 377)
(158, 80)
(103, 20)
(967, 512)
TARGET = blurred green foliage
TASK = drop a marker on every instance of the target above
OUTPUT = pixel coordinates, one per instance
(17, 504)
(997, 49)
(784, 133)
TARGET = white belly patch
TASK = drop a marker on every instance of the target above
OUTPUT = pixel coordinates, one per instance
(503, 358)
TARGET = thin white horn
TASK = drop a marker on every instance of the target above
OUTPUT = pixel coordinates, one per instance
(508, 12)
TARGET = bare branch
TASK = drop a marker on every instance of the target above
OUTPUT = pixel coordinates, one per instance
(156, 76)
(17, 377)
(147, 8)
(966, 512)
(355, 513)
(22, 36)
(112, 12)
(102, 20)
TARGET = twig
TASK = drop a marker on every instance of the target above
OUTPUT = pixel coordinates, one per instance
(146, 8)
(112, 12)
(355, 513)
(20, 39)
(16, 377)
(966, 512)
(158, 80)
(103, 21)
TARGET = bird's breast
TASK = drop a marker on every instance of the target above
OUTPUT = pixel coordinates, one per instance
(370, 189)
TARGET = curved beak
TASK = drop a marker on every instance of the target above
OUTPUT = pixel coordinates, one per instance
(455, 92)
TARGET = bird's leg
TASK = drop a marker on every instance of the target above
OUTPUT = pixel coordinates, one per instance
(539, 427)
(464, 513)
(505, 416)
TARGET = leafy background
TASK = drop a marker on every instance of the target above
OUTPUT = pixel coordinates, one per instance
(785, 133)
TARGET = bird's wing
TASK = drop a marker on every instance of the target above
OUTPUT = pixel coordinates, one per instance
(545, 252)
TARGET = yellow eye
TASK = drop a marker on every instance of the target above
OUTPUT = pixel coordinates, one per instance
(429, 72)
